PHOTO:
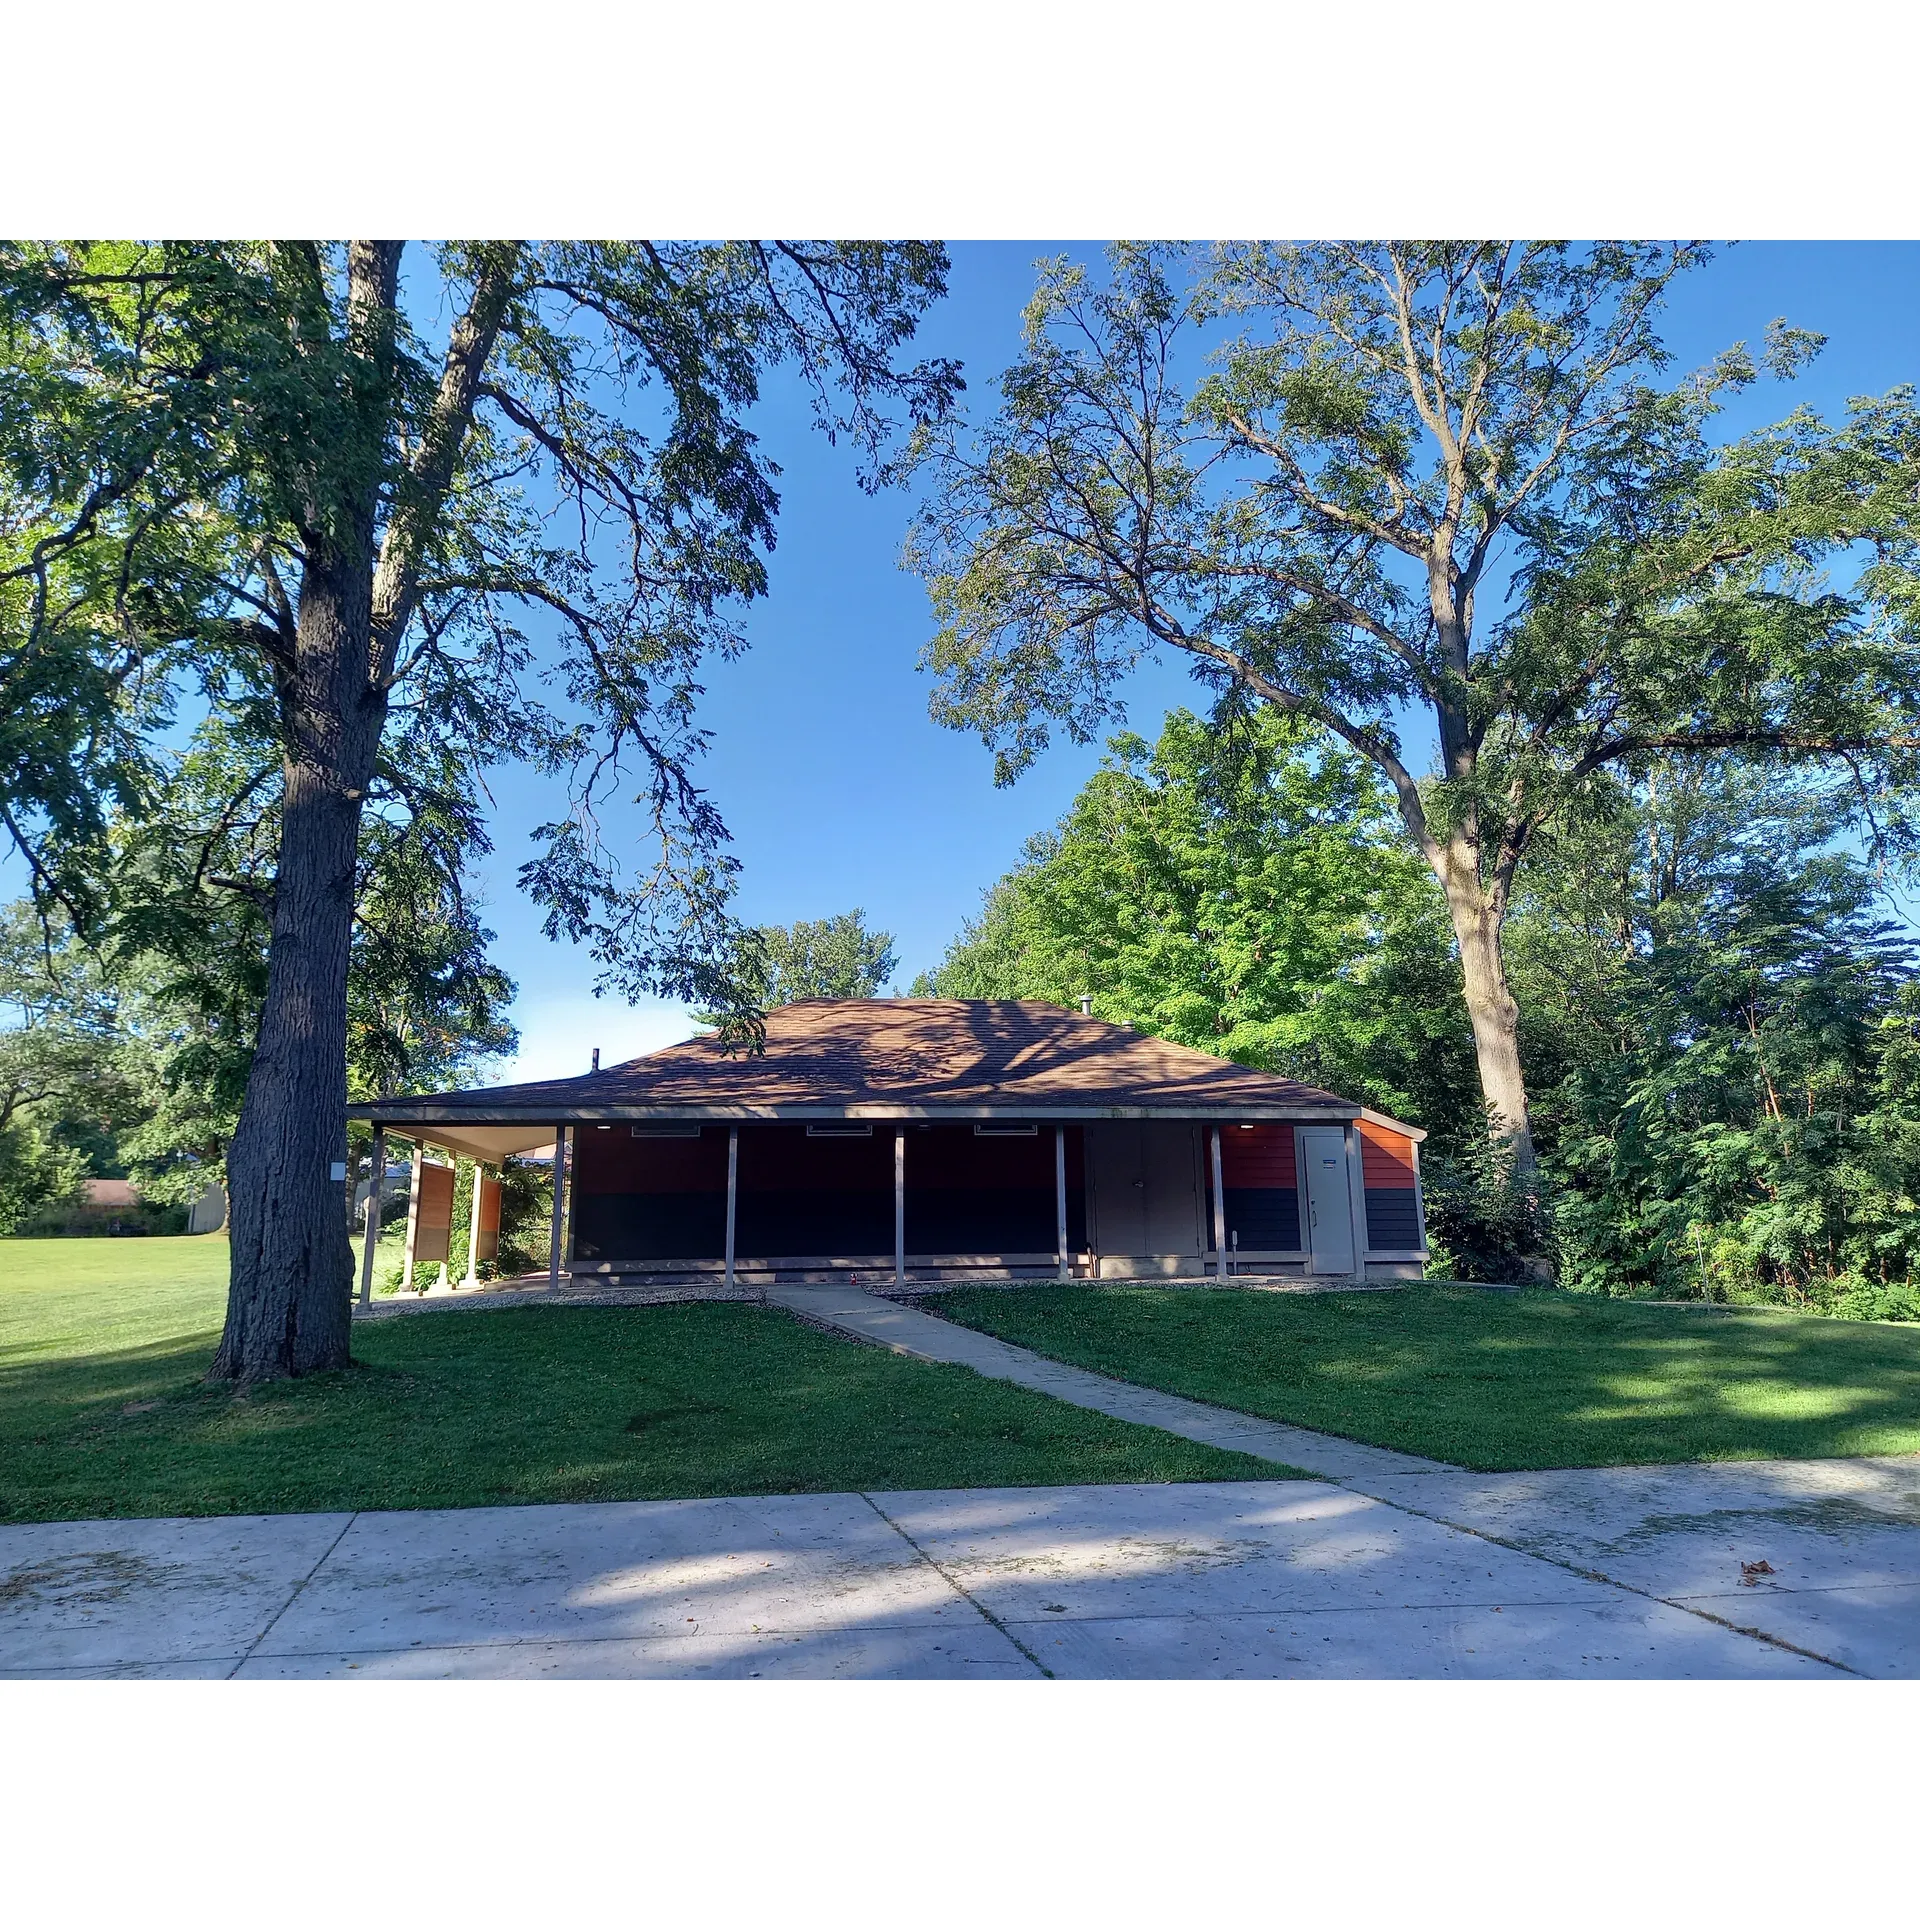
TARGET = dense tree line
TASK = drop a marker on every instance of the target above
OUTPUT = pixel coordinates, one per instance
(1718, 1014)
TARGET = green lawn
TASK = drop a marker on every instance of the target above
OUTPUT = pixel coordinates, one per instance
(1492, 1379)
(103, 1410)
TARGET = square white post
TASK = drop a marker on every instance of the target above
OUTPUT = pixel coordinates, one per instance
(1060, 1195)
(559, 1206)
(473, 1229)
(899, 1206)
(733, 1195)
(413, 1217)
(376, 1192)
(1219, 1214)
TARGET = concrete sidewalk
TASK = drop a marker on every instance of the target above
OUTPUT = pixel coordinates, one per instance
(1388, 1566)
(1271, 1578)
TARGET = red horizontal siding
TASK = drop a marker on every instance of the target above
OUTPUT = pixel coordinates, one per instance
(1257, 1157)
(1386, 1158)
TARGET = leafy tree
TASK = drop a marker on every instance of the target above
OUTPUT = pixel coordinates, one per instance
(832, 959)
(1242, 891)
(61, 1090)
(1728, 1099)
(240, 465)
(1318, 520)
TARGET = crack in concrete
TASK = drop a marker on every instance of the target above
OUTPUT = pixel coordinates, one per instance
(299, 1587)
(992, 1619)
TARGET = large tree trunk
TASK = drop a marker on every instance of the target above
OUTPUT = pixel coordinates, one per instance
(1490, 1003)
(289, 1305)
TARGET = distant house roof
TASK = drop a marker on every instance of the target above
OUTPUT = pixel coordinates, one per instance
(883, 1060)
(110, 1193)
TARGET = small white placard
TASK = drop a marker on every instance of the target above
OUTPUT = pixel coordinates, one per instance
(339, 1170)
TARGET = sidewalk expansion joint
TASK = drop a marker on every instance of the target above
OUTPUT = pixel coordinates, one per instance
(986, 1613)
(299, 1587)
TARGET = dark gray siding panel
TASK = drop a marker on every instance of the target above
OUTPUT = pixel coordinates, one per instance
(1393, 1221)
(1267, 1219)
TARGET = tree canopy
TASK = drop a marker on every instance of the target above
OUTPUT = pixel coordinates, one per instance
(833, 959)
(1318, 514)
(249, 480)
(1244, 891)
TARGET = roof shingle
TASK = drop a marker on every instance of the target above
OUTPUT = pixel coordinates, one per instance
(882, 1059)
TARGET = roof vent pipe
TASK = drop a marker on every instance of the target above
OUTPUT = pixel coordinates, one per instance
(1086, 1004)
(595, 1068)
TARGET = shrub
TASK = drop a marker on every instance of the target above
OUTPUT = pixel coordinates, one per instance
(1486, 1222)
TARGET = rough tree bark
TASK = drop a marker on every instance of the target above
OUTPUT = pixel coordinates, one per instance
(288, 1311)
(289, 1302)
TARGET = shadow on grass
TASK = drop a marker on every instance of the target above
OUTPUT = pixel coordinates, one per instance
(533, 1405)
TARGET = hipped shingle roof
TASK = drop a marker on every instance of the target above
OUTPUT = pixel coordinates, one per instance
(899, 1059)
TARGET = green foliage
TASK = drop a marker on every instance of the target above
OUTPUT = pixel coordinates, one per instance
(1725, 1032)
(38, 1175)
(1241, 889)
(832, 959)
(548, 518)
(1487, 1220)
(62, 1088)
(1300, 467)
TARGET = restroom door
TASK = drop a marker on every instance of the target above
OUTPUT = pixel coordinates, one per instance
(1118, 1186)
(1170, 1156)
(1329, 1222)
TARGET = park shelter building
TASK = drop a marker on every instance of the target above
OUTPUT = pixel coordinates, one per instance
(907, 1139)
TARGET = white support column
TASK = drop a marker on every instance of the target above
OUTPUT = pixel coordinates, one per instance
(899, 1206)
(473, 1228)
(376, 1192)
(1060, 1195)
(1219, 1213)
(733, 1196)
(413, 1216)
(559, 1205)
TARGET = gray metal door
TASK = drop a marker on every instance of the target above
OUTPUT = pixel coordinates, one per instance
(1119, 1188)
(1171, 1157)
(1329, 1221)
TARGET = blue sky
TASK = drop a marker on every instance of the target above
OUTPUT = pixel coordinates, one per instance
(839, 790)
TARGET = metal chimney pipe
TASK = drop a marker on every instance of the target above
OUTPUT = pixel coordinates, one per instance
(1086, 1004)
(595, 1068)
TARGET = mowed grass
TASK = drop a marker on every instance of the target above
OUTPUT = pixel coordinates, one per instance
(1492, 1380)
(104, 1411)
